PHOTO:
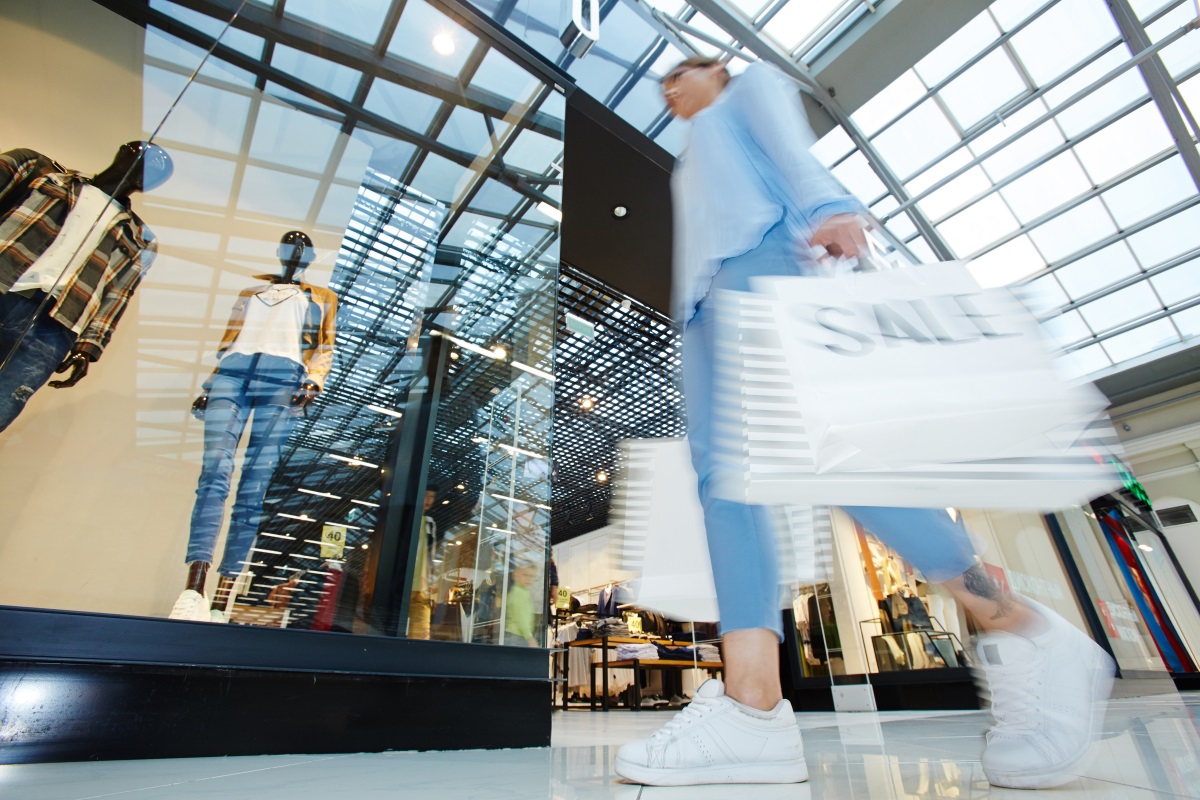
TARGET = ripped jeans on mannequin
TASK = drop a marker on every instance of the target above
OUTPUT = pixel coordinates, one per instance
(244, 387)
(28, 361)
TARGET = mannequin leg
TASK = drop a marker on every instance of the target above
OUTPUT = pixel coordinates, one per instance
(271, 390)
(197, 574)
(224, 421)
(28, 362)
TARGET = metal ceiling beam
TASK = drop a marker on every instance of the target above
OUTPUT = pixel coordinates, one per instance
(732, 22)
(1162, 87)
(327, 44)
(141, 14)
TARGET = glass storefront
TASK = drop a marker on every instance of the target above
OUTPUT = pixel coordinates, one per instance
(877, 613)
(305, 318)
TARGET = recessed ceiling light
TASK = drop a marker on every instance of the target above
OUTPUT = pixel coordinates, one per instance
(620, 211)
(602, 476)
(444, 44)
(586, 403)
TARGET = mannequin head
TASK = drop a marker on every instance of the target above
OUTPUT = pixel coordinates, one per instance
(295, 254)
(137, 167)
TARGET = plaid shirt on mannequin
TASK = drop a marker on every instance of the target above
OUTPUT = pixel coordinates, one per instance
(95, 295)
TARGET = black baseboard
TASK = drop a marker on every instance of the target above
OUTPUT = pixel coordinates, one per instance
(913, 690)
(82, 712)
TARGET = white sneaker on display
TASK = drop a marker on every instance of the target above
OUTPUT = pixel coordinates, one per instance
(190, 605)
(1049, 693)
(718, 740)
(217, 615)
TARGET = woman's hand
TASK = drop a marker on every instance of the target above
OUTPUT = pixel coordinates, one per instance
(842, 236)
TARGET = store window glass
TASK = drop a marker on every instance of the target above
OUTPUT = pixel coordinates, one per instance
(296, 270)
(876, 612)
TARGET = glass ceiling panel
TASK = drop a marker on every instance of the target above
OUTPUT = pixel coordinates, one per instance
(500, 75)
(1180, 283)
(989, 85)
(1140, 341)
(799, 20)
(1098, 271)
(428, 37)
(356, 19)
(1047, 187)
(319, 72)
(1150, 192)
(961, 47)
(1047, 53)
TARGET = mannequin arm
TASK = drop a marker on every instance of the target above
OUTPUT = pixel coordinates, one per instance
(76, 367)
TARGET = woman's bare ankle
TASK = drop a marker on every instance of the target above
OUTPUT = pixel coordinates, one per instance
(754, 696)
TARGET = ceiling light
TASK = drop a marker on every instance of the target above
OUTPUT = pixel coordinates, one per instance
(302, 517)
(479, 440)
(602, 476)
(529, 453)
(319, 494)
(264, 550)
(541, 373)
(550, 211)
(354, 462)
(620, 211)
(390, 412)
(461, 486)
(443, 43)
(364, 547)
(445, 502)
(454, 355)
(458, 542)
(499, 352)
(1146, 547)
(367, 503)
(586, 403)
(278, 536)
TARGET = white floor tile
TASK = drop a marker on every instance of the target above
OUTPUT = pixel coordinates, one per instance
(1151, 749)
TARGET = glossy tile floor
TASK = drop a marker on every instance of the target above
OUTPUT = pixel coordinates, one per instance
(1151, 749)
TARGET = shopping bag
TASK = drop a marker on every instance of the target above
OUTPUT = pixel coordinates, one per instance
(656, 511)
(965, 371)
(911, 387)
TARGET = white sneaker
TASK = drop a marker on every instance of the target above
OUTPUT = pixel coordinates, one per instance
(717, 740)
(190, 605)
(217, 615)
(1048, 693)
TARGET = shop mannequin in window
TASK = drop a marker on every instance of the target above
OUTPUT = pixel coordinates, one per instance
(72, 253)
(274, 358)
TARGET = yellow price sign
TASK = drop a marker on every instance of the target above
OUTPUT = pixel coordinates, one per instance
(563, 600)
(333, 541)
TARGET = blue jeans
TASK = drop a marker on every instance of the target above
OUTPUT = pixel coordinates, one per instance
(47, 342)
(260, 386)
(741, 540)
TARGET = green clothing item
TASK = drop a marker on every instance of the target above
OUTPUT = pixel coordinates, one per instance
(519, 618)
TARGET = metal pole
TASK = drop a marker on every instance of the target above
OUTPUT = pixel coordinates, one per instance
(1162, 88)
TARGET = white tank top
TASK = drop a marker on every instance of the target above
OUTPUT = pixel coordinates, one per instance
(274, 323)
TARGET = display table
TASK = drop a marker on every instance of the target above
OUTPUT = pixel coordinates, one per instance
(637, 665)
(605, 642)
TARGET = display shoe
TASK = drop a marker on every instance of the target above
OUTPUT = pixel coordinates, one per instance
(217, 615)
(718, 740)
(190, 605)
(1049, 693)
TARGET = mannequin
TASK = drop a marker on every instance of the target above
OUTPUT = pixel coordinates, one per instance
(72, 253)
(273, 361)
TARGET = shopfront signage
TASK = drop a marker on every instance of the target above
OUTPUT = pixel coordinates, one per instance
(581, 326)
(1136, 491)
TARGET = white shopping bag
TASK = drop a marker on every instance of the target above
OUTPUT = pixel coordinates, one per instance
(921, 365)
(657, 511)
(908, 387)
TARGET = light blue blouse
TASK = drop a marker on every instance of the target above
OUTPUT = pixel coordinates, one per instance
(746, 166)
